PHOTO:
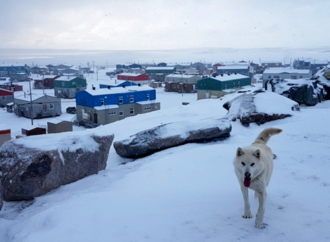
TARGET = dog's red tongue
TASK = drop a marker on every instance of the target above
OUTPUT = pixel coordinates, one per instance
(247, 182)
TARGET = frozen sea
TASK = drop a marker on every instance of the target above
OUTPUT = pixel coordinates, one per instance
(110, 58)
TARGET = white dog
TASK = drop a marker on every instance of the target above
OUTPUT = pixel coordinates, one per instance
(253, 167)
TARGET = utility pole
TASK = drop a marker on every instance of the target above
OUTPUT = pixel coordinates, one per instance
(31, 113)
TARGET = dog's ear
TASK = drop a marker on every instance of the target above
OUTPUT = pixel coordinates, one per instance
(239, 151)
(257, 153)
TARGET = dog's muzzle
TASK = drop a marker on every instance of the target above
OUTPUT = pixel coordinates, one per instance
(247, 179)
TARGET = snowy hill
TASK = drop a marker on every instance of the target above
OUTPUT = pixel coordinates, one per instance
(188, 193)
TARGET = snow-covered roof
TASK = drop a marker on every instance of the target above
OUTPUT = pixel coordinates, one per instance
(65, 78)
(129, 74)
(44, 77)
(160, 68)
(180, 76)
(285, 70)
(26, 97)
(231, 77)
(236, 67)
(106, 91)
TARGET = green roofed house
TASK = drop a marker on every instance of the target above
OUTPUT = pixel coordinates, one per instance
(68, 86)
(218, 86)
(158, 73)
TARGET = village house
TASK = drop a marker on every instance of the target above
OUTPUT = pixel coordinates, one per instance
(41, 106)
(285, 73)
(15, 72)
(103, 106)
(44, 82)
(67, 87)
(158, 73)
(218, 86)
(39, 70)
(128, 67)
(133, 77)
(243, 69)
(11, 87)
(181, 83)
(6, 96)
(309, 64)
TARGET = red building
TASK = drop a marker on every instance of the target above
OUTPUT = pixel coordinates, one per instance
(46, 81)
(13, 88)
(133, 77)
(6, 96)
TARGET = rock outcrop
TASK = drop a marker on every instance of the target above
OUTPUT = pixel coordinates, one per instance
(303, 91)
(170, 135)
(259, 107)
(28, 171)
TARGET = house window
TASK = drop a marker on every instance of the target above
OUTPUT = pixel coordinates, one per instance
(238, 84)
(147, 109)
(276, 76)
(269, 76)
(51, 106)
(121, 112)
(233, 84)
(112, 113)
(148, 97)
(293, 77)
(131, 98)
(120, 100)
(73, 83)
(63, 84)
(131, 111)
(102, 102)
(3, 97)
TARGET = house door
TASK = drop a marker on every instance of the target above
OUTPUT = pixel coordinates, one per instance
(95, 118)
(207, 95)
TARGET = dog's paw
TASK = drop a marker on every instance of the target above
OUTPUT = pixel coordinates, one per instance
(260, 225)
(247, 216)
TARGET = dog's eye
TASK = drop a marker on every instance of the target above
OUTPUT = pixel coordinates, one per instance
(252, 164)
(243, 163)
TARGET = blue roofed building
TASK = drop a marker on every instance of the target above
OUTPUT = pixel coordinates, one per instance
(106, 105)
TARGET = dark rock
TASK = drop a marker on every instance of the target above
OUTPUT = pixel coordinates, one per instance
(31, 172)
(261, 118)
(170, 135)
(307, 92)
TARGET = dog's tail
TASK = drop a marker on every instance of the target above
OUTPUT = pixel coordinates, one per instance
(264, 136)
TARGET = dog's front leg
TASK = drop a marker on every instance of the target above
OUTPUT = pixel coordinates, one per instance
(247, 210)
(259, 223)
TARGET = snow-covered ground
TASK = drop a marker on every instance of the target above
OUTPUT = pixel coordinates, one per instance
(187, 193)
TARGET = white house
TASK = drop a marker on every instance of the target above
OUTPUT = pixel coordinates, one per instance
(285, 73)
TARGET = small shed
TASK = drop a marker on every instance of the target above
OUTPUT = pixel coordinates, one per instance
(63, 126)
(33, 131)
(4, 136)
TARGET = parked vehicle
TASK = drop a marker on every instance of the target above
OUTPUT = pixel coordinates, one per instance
(71, 110)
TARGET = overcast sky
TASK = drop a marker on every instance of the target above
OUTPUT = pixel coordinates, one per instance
(163, 24)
